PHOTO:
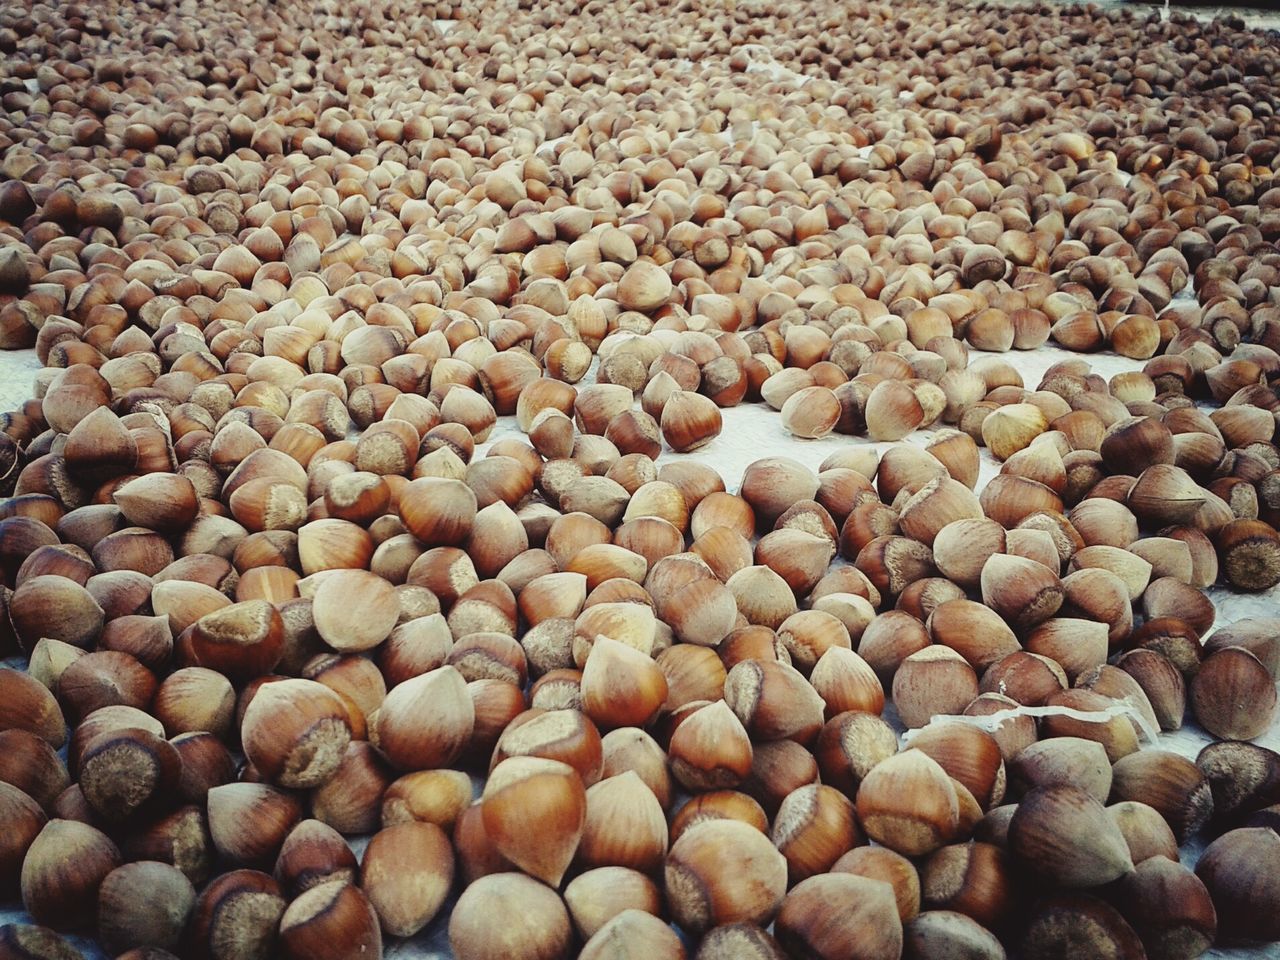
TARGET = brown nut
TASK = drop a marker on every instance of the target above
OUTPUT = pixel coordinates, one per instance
(334, 917)
(237, 915)
(62, 872)
(144, 904)
(908, 804)
(1239, 871)
(406, 873)
(1233, 695)
(724, 871)
(840, 915)
(1065, 834)
(294, 733)
(534, 809)
(540, 930)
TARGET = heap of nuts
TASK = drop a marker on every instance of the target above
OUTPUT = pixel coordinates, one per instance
(350, 502)
(368, 651)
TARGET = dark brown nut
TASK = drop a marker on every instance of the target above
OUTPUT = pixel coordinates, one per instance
(144, 904)
(1233, 695)
(313, 853)
(1168, 782)
(335, 918)
(127, 773)
(1240, 870)
(1060, 924)
(1243, 777)
(1065, 834)
(62, 872)
(1169, 908)
(236, 916)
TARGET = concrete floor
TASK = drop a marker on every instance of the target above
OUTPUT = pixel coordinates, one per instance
(17, 372)
(1258, 17)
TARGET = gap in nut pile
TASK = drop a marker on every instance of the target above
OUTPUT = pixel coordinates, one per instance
(697, 480)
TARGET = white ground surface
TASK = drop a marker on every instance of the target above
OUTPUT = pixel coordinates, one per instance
(1258, 17)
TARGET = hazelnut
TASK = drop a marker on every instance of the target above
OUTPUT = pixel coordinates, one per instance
(30, 764)
(294, 733)
(1063, 760)
(631, 749)
(439, 512)
(181, 838)
(539, 930)
(963, 546)
(248, 822)
(350, 800)
(621, 686)
(1065, 834)
(811, 412)
(968, 754)
(1169, 908)
(631, 931)
(1169, 783)
(892, 411)
(946, 930)
(850, 746)
(236, 915)
(144, 904)
(406, 873)
(313, 853)
(1011, 428)
(908, 804)
(840, 915)
(539, 835)
(1145, 831)
(424, 722)
(881, 863)
(595, 897)
(976, 879)
(773, 484)
(1239, 871)
(973, 631)
(128, 772)
(1233, 695)
(624, 826)
(814, 827)
(1074, 918)
(335, 918)
(889, 640)
(354, 610)
(773, 701)
(1242, 777)
(932, 681)
(62, 872)
(1023, 592)
(242, 641)
(724, 871)
(430, 796)
(25, 820)
(739, 941)
(710, 749)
